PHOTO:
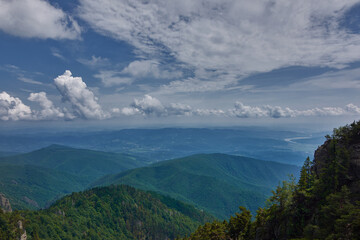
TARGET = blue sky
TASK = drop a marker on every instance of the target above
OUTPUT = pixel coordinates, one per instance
(179, 62)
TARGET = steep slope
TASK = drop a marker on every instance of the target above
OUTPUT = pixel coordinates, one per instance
(32, 187)
(218, 183)
(77, 161)
(116, 212)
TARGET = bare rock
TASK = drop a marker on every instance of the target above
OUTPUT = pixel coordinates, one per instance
(5, 204)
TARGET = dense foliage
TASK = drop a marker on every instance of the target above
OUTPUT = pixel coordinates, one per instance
(323, 204)
(217, 183)
(34, 180)
(115, 212)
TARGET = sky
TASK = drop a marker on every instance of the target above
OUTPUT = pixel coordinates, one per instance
(179, 63)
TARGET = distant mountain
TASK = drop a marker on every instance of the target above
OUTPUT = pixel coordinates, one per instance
(217, 183)
(35, 179)
(289, 147)
(116, 212)
(77, 161)
(33, 187)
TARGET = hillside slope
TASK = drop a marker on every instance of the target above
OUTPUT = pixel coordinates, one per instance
(77, 161)
(33, 187)
(218, 183)
(116, 212)
(35, 179)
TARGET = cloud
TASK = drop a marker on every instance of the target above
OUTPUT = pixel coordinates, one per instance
(94, 61)
(20, 74)
(12, 108)
(149, 68)
(134, 71)
(36, 19)
(29, 80)
(230, 37)
(83, 101)
(49, 111)
(112, 78)
(244, 111)
(56, 53)
(151, 106)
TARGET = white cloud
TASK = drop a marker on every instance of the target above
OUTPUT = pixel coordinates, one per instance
(244, 111)
(112, 78)
(28, 80)
(151, 106)
(231, 37)
(149, 68)
(134, 71)
(36, 19)
(83, 101)
(56, 53)
(94, 61)
(12, 108)
(49, 111)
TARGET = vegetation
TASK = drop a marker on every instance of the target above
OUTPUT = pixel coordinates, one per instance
(34, 180)
(115, 212)
(217, 183)
(324, 204)
(82, 162)
(32, 187)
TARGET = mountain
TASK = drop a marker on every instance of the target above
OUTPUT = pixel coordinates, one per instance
(35, 179)
(115, 212)
(269, 144)
(217, 183)
(33, 187)
(83, 162)
(323, 204)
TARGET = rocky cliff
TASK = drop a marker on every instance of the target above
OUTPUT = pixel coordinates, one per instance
(5, 204)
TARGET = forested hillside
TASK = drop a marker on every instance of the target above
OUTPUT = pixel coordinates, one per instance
(34, 180)
(115, 212)
(217, 183)
(322, 204)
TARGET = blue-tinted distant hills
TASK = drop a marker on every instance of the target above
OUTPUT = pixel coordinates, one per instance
(168, 143)
(217, 183)
(33, 180)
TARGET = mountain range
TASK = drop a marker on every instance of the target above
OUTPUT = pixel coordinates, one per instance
(217, 183)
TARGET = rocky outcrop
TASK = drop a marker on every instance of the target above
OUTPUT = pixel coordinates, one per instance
(5, 204)
(23, 235)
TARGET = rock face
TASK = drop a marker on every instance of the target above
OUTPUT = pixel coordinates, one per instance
(23, 236)
(5, 204)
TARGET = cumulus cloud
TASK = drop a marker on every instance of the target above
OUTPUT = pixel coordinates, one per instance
(244, 111)
(49, 111)
(151, 106)
(83, 101)
(12, 108)
(237, 37)
(36, 19)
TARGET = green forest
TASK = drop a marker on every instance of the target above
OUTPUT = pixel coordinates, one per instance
(114, 212)
(322, 204)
